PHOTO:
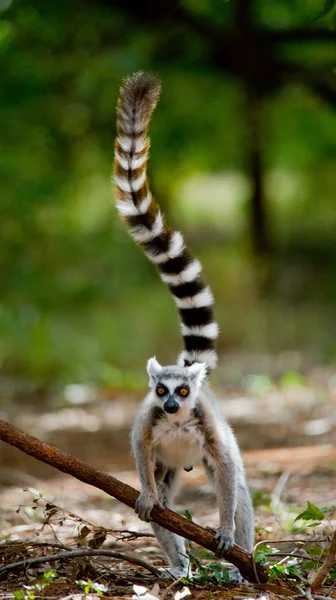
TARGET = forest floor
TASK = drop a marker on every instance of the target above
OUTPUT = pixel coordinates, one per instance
(287, 432)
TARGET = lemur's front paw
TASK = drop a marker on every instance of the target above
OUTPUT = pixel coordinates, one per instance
(145, 504)
(225, 541)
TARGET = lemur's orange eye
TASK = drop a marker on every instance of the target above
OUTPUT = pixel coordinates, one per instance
(183, 391)
(161, 391)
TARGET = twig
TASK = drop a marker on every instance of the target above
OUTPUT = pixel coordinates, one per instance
(326, 566)
(124, 493)
(288, 555)
(291, 555)
(30, 562)
(301, 541)
(130, 532)
(18, 545)
(304, 595)
(126, 535)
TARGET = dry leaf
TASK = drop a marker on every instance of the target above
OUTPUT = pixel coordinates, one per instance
(182, 594)
(142, 593)
(156, 590)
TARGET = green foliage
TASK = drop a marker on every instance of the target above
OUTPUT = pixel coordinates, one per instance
(257, 384)
(263, 552)
(24, 595)
(298, 567)
(312, 513)
(331, 579)
(292, 567)
(291, 379)
(90, 586)
(213, 572)
(289, 569)
(48, 577)
(261, 498)
(30, 592)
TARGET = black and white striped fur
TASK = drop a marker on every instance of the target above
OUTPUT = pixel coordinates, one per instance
(164, 247)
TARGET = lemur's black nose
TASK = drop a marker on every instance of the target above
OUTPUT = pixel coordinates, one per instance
(171, 406)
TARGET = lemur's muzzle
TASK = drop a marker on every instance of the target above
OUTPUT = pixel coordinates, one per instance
(171, 406)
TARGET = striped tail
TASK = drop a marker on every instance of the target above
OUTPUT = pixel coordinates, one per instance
(164, 247)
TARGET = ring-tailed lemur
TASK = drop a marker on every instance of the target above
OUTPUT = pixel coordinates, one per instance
(179, 422)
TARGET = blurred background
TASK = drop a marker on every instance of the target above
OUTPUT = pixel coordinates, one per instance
(243, 162)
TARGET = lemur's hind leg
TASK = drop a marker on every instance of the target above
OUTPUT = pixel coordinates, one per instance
(244, 527)
(244, 520)
(172, 544)
(244, 516)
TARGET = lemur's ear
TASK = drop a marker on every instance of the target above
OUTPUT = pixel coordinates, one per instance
(153, 369)
(198, 372)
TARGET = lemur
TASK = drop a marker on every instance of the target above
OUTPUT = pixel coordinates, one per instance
(179, 423)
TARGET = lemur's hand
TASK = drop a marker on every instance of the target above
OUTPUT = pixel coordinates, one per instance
(225, 540)
(145, 504)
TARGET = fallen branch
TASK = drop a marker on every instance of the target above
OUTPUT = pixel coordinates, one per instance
(32, 562)
(124, 493)
(325, 568)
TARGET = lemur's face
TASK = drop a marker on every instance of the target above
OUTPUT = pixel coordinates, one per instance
(175, 387)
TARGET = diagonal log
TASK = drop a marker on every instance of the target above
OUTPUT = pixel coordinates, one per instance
(329, 561)
(124, 493)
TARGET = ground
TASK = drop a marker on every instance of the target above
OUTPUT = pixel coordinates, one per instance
(286, 428)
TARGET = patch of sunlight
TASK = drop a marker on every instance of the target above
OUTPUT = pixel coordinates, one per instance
(79, 393)
(69, 418)
(286, 186)
(217, 198)
(90, 204)
(86, 206)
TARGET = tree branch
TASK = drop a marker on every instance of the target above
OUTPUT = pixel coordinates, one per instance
(299, 35)
(124, 493)
(327, 564)
(259, 221)
(319, 84)
(31, 562)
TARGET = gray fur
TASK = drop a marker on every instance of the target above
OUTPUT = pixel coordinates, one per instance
(196, 432)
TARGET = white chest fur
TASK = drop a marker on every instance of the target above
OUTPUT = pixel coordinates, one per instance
(177, 443)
